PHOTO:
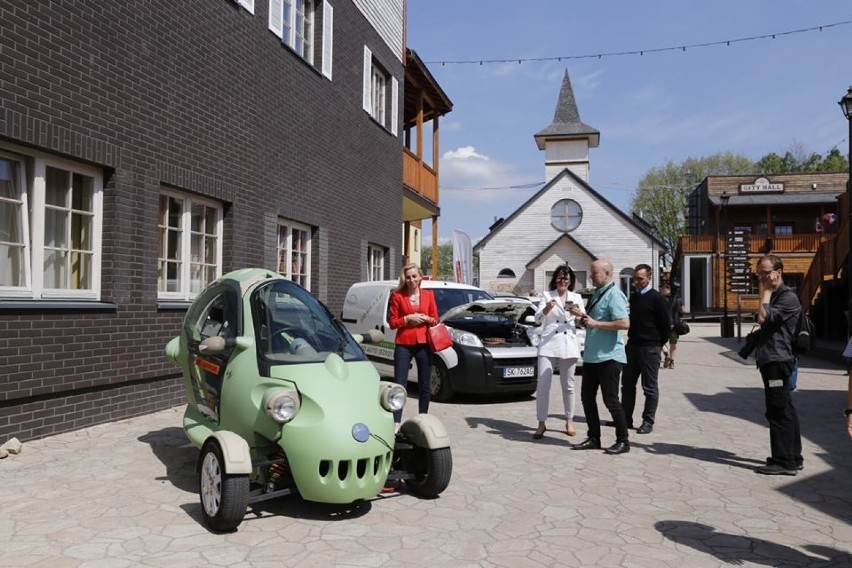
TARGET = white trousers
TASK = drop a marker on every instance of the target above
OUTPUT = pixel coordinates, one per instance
(545, 378)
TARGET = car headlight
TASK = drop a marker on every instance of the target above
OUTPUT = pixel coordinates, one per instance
(464, 337)
(282, 406)
(392, 396)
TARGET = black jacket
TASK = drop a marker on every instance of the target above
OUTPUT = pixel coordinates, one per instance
(775, 342)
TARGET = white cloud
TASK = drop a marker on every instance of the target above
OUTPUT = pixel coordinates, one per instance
(469, 175)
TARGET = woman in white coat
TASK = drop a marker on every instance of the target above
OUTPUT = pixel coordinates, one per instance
(559, 346)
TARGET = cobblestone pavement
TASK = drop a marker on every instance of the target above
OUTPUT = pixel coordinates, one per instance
(124, 494)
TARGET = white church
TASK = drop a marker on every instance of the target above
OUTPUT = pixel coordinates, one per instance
(567, 221)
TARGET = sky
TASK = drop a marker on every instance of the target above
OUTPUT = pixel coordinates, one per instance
(750, 97)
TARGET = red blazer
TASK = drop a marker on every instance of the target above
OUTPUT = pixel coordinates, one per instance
(411, 334)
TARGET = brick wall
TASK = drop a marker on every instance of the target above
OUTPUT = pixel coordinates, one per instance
(200, 97)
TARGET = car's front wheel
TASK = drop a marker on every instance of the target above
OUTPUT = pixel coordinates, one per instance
(224, 497)
(440, 388)
(435, 467)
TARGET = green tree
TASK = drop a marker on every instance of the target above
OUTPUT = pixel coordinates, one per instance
(661, 196)
(445, 262)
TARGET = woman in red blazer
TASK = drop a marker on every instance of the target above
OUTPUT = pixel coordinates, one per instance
(411, 312)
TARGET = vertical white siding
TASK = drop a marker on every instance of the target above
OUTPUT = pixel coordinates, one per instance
(386, 17)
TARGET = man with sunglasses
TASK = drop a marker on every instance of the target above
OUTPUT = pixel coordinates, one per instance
(778, 314)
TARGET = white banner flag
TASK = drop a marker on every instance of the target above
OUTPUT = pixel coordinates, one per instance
(462, 257)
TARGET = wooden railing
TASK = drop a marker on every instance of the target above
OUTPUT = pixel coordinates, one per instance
(827, 261)
(757, 244)
(419, 176)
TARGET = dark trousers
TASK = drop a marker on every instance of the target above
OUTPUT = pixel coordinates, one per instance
(604, 375)
(402, 356)
(644, 361)
(785, 440)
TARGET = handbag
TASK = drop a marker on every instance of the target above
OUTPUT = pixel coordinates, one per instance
(751, 341)
(438, 338)
(681, 328)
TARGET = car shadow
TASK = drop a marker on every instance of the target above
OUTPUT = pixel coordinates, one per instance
(171, 446)
(741, 549)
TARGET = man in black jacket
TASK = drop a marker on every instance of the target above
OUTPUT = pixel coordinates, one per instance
(648, 332)
(779, 311)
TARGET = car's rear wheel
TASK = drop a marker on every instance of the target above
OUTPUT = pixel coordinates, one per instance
(435, 467)
(224, 497)
(440, 388)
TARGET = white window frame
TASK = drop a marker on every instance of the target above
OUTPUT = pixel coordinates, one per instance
(290, 233)
(30, 201)
(375, 262)
(185, 261)
(296, 23)
(248, 5)
(378, 87)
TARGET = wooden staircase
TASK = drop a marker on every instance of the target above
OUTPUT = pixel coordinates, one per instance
(828, 262)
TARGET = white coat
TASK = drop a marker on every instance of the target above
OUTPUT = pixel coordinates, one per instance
(558, 327)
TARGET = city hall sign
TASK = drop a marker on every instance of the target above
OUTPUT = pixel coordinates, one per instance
(762, 185)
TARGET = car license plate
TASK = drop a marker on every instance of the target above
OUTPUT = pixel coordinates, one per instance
(518, 372)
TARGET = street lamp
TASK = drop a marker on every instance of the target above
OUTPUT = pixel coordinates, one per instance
(846, 105)
(727, 329)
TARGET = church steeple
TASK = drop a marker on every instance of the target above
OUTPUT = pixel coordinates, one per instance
(567, 140)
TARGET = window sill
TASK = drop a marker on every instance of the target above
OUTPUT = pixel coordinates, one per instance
(34, 306)
(173, 305)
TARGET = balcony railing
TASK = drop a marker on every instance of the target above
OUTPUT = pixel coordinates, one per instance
(780, 244)
(419, 176)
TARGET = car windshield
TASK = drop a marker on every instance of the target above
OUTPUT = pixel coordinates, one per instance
(448, 298)
(294, 327)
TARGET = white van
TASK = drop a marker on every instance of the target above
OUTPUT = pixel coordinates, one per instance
(492, 350)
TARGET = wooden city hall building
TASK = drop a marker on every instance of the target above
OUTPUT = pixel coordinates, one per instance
(800, 217)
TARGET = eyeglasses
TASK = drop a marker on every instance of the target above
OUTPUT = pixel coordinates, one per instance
(765, 272)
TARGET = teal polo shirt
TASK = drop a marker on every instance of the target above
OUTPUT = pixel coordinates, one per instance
(601, 344)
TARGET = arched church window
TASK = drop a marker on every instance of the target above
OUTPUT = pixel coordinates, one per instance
(506, 273)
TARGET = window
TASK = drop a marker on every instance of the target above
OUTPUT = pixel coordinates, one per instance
(295, 22)
(506, 273)
(566, 215)
(381, 91)
(625, 280)
(190, 245)
(375, 262)
(294, 252)
(783, 228)
(50, 228)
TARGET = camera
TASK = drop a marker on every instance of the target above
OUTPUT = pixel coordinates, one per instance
(750, 343)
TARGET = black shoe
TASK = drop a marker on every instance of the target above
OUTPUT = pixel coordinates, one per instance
(770, 461)
(645, 428)
(618, 448)
(775, 469)
(588, 444)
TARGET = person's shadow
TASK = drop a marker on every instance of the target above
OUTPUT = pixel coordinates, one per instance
(740, 549)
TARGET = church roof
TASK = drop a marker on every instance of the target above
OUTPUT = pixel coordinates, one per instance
(643, 226)
(566, 120)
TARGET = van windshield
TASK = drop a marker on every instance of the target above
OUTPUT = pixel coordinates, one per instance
(448, 298)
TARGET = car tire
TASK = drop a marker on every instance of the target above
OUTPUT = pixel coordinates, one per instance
(440, 389)
(223, 497)
(436, 468)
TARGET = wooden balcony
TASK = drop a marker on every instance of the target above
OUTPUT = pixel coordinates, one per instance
(419, 177)
(778, 244)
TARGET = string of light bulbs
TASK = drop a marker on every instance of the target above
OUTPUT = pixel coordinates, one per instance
(642, 52)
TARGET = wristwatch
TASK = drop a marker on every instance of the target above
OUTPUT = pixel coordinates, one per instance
(847, 412)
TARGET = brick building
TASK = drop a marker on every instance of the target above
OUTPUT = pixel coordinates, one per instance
(147, 147)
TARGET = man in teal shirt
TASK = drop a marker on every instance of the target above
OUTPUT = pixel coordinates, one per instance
(603, 355)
